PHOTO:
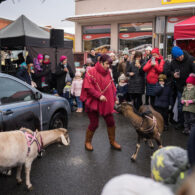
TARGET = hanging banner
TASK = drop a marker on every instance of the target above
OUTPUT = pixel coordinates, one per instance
(176, 1)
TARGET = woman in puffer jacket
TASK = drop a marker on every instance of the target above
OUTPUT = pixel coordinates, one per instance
(153, 68)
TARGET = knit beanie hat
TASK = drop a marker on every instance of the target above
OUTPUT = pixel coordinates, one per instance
(149, 48)
(155, 50)
(126, 51)
(191, 79)
(128, 184)
(62, 58)
(168, 163)
(40, 56)
(162, 77)
(122, 77)
(176, 52)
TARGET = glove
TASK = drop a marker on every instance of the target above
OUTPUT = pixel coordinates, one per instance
(182, 101)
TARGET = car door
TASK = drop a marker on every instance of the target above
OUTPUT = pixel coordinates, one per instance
(1, 121)
(16, 99)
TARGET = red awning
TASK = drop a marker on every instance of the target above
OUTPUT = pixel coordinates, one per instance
(185, 29)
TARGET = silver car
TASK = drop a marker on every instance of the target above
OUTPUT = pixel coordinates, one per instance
(17, 97)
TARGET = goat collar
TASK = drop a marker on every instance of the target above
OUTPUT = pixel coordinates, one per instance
(31, 138)
(154, 124)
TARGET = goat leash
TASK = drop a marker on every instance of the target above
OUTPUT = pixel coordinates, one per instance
(102, 91)
(154, 124)
(31, 138)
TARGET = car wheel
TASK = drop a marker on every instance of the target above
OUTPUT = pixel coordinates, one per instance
(59, 120)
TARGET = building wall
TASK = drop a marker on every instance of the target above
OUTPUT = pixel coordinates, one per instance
(94, 6)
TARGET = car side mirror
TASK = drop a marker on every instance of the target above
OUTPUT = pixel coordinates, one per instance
(38, 96)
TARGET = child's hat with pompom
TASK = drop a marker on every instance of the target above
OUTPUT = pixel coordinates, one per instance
(191, 79)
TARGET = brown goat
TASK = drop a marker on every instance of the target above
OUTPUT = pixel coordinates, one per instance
(148, 123)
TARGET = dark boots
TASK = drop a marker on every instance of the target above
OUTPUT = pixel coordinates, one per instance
(88, 139)
(111, 136)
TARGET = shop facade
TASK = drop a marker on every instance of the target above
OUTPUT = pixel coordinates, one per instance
(128, 24)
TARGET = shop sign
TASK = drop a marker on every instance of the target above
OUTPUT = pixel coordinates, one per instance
(176, 1)
(128, 36)
(95, 36)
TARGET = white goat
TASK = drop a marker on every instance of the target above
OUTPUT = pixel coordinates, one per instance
(14, 150)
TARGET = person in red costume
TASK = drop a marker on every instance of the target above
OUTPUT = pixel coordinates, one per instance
(153, 68)
(99, 94)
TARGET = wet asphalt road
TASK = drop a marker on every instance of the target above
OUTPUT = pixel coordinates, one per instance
(73, 171)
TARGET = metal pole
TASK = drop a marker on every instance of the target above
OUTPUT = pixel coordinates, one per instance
(0, 62)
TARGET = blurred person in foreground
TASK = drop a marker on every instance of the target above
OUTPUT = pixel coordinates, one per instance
(128, 184)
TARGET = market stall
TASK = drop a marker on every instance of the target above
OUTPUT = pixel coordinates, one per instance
(184, 34)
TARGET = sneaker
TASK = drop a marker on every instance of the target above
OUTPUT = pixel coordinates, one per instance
(179, 126)
(186, 131)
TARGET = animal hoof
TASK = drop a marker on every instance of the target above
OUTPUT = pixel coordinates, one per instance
(30, 188)
(19, 182)
(133, 158)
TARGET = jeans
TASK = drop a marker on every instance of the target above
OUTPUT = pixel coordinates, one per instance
(164, 112)
(189, 120)
(69, 98)
(180, 108)
(137, 100)
(79, 102)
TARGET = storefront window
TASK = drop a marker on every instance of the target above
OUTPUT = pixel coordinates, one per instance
(96, 37)
(135, 36)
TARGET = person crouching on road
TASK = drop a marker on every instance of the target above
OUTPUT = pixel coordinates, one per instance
(99, 95)
(76, 90)
(188, 101)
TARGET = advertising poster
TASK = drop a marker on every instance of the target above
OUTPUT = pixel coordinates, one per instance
(176, 1)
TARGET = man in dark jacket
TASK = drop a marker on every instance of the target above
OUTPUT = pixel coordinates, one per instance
(181, 66)
(63, 70)
(93, 56)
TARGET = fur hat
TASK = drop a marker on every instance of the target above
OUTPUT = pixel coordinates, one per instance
(122, 77)
(149, 48)
(128, 184)
(62, 58)
(167, 164)
(162, 77)
(191, 79)
(176, 52)
(155, 50)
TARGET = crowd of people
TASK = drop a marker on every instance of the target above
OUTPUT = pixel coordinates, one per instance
(108, 79)
(167, 85)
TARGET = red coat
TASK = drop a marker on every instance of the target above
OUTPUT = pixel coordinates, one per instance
(98, 82)
(154, 71)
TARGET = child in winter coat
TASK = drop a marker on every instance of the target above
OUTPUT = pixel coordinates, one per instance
(188, 101)
(67, 94)
(163, 93)
(76, 90)
(122, 89)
